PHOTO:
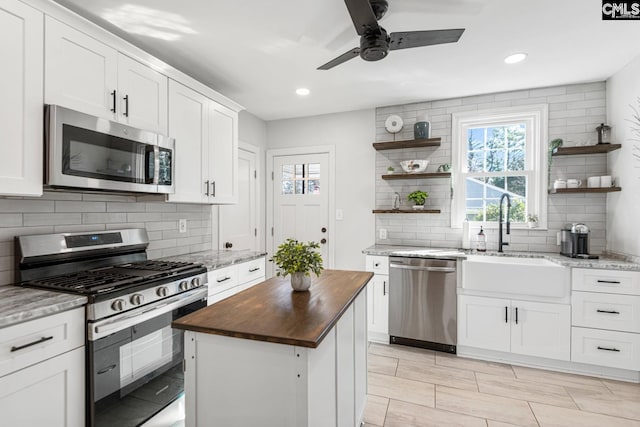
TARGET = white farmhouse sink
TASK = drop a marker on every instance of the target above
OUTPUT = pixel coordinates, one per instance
(513, 275)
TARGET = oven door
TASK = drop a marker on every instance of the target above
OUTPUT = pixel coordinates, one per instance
(135, 366)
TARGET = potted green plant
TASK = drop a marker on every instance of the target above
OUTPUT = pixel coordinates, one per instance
(418, 198)
(390, 169)
(532, 220)
(298, 259)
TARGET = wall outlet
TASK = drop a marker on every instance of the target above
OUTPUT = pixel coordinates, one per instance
(182, 225)
(383, 233)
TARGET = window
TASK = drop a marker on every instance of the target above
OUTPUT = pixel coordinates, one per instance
(301, 179)
(497, 152)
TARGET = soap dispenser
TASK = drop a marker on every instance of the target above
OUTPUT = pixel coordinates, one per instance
(482, 241)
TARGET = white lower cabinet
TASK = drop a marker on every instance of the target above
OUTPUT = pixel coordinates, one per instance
(378, 298)
(520, 327)
(42, 372)
(227, 281)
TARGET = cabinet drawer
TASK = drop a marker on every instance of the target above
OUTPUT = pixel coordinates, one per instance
(612, 281)
(31, 342)
(606, 311)
(222, 279)
(251, 270)
(377, 264)
(606, 348)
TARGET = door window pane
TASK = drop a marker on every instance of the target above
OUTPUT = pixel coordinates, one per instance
(301, 179)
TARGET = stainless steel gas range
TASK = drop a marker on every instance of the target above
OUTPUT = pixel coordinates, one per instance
(134, 357)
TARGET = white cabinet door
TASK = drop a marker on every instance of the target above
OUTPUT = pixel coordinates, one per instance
(50, 393)
(142, 94)
(484, 322)
(223, 154)
(378, 308)
(541, 329)
(80, 72)
(188, 124)
(21, 50)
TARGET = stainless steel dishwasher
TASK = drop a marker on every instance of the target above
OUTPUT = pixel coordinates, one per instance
(422, 303)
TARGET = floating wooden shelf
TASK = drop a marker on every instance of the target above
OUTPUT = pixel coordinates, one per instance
(586, 149)
(417, 175)
(408, 211)
(585, 190)
(411, 143)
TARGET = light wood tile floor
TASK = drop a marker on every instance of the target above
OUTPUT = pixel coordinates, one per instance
(414, 387)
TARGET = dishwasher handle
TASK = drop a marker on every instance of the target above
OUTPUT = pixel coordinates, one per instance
(433, 269)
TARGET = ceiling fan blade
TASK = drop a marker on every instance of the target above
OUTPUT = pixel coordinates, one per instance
(340, 59)
(408, 39)
(362, 15)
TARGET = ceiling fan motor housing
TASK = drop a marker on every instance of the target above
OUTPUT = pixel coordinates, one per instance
(374, 45)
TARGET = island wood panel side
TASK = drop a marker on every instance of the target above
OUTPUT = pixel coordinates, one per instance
(272, 311)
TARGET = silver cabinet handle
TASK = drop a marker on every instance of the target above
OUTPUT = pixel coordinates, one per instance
(254, 269)
(223, 279)
(206, 186)
(607, 311)
(384, 287)
(613, 282)
(608, 349)
(38, 341)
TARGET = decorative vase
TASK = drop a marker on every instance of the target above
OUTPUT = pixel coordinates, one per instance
(300, 281)
(421, 130)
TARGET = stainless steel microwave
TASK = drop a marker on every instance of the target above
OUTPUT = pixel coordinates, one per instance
(88, 152)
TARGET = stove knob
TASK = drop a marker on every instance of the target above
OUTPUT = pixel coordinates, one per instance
(184, 285)
(195, 282)
(161, 291)
(118, 305)
(137, 299)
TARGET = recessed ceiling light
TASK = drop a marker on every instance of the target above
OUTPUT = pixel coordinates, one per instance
(303, 91)
(515, 58)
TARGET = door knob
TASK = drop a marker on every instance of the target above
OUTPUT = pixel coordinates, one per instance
(323, 229)
(228, 245)
(323, 241)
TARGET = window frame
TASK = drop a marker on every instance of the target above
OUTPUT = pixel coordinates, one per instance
(536, 159)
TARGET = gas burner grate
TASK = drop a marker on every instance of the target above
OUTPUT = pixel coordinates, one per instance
(85, 282)
(156, 265)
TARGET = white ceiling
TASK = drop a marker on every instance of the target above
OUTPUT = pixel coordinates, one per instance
(258, 52)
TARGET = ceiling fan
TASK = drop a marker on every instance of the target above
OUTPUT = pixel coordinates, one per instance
(375, 42)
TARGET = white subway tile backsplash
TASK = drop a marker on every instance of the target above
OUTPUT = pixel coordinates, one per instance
(35, 219)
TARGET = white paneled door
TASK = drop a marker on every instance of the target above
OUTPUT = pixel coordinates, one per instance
(238, 226)
(301, 200)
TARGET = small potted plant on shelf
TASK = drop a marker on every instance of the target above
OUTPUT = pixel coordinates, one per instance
(418, 198)
(390, 170)
(298, 259)
(532, 220)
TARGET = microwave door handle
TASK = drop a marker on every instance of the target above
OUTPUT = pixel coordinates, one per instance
(156, 165)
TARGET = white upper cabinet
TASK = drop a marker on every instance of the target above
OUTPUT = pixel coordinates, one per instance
(86, 75)
(21, 50)
(223, 155)
(206, 135)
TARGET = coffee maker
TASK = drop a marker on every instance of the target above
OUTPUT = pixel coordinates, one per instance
(574, 241)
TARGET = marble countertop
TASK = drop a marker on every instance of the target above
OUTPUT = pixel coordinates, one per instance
(604, 262)
(18, 304)
(215, 259)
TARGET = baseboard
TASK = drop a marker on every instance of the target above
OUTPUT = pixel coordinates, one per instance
(550, 364)
(378, 337)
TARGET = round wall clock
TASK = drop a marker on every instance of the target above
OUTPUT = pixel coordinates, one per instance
(393, 124)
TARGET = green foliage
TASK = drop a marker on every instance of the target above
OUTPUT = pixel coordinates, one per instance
(418, 197)
(297, 257)
(516, 213)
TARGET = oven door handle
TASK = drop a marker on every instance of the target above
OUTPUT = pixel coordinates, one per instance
(117, 323)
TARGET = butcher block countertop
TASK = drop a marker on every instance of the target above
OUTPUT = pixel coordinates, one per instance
(272, 311)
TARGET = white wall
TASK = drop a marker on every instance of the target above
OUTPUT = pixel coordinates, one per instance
(623, 208)
(352, 134)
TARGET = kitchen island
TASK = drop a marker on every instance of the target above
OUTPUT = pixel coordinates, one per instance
(270, 356)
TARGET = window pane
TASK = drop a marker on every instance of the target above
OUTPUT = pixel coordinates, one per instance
(515, 160)
(287, 187)
(299, 171)
(483, 197)
(475, 139)
(299, 187)
(496, 138)
(314, 170)
(495, 161)
(475, 161)
(287, 171)
(517, 185)
(314, 186)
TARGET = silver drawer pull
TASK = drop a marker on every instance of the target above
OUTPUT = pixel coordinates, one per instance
(20, 347)
(254, 269)
(608, 311)
(223, 280)
(614, 282)
(107, 369)
(433, 269)
(608, 349)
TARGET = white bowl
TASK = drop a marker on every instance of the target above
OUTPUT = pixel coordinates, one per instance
(414, 166)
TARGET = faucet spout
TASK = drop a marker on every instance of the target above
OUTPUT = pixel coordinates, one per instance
(501, 243)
